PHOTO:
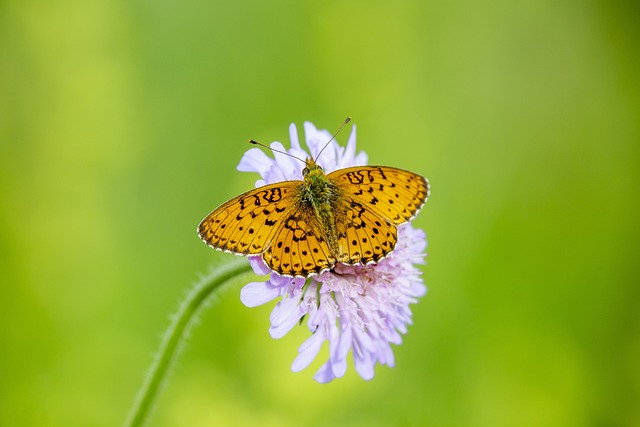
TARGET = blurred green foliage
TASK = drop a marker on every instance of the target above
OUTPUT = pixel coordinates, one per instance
(122, 122)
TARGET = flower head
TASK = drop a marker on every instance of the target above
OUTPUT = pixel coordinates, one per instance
(360, 308)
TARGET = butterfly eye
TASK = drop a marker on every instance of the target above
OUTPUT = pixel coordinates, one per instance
(305, 171)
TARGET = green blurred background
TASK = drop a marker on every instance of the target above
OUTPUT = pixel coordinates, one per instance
(122, 122)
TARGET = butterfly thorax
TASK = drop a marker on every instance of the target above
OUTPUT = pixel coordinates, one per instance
(321, 194)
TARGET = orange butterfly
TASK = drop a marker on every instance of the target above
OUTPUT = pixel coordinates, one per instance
(305, 227)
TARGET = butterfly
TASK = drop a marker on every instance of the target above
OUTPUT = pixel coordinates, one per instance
(304, 227)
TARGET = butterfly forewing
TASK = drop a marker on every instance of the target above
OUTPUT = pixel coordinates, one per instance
(247, 223)
(394, 194)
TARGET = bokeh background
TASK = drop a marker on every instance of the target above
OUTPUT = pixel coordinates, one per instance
(122, 122)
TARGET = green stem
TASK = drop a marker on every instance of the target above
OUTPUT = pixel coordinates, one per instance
(175, 335)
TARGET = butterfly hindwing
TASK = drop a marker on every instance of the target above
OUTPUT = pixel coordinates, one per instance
(299, 248)
(363, 235)
(246, 224)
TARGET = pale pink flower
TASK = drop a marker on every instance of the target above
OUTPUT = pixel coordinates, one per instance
(362, 309)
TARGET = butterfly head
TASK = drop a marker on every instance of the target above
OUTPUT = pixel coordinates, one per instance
(312, 169)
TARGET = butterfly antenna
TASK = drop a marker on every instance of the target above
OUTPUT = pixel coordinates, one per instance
(251, 141)
(347, 120)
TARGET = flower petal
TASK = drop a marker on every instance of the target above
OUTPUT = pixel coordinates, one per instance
(285, 316)
(316, 140)
(345, 343)
(338, 363)
(286, 164)
(361, 159)
(258, 265)
(255, 160)
(364, 366)
(324, 374)
(350, 150)
(254, 294)
(293, 136)
(308, 351)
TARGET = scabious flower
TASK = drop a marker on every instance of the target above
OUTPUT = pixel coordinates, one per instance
(362, 308)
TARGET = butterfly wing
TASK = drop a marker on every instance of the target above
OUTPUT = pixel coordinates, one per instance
(298, 247)
(273, 221)
(394, 194)
(374, 200)
(247, 223)
(364, 236)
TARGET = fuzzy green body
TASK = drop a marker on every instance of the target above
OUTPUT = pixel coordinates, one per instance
(323, 196)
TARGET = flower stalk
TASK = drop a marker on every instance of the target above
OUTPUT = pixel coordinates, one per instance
(176, 334)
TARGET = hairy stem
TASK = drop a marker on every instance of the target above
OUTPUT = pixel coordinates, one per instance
(175, 335)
